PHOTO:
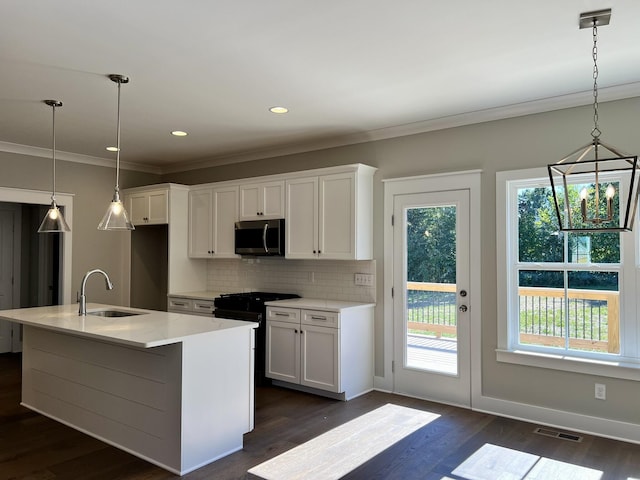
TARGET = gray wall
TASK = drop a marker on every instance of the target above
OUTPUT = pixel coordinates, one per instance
(93, 189)
(524, 142)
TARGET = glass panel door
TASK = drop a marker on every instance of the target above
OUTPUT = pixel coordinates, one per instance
(431, 282)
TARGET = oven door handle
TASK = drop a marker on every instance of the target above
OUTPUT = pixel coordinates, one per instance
(264, 237)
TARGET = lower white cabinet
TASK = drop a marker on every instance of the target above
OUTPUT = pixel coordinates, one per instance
(192, 306)
(321, 350)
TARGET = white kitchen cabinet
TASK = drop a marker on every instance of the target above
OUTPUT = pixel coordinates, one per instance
(213, 212)
(321, 351)
(319, 358)
(192, 306)
(330, 216)
(262, 200)
(283, 351)
(159, 252)
(148, 207)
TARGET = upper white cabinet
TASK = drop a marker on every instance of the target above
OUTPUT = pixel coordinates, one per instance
(330, 216)
(148, 207)
(182, 273)
(262, 200)
(213, 212)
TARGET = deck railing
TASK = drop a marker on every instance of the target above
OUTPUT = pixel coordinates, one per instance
(594, 315)
(431, 307)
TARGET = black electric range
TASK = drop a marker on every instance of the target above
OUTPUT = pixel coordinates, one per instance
(250, 306)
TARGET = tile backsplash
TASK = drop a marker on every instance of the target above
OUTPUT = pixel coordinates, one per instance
(326, 279)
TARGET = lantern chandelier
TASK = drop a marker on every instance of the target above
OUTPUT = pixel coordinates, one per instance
(595, 188)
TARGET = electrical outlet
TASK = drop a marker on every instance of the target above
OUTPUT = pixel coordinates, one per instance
(601, 391)
(363, 279)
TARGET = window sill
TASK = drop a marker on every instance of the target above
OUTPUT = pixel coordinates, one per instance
(612, 369)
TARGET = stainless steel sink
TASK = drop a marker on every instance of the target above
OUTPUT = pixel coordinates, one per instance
(112, 313)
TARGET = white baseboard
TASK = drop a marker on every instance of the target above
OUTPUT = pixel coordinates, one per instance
(628, 432)
(381, 384)
(576, 422)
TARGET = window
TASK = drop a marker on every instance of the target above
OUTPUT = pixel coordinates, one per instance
(566, 300)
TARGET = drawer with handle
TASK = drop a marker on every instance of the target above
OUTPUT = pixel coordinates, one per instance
(283, 314)
(321, 318)
(180, 304)
(203, 307)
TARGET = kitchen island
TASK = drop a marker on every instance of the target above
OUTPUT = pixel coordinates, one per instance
(176, 390)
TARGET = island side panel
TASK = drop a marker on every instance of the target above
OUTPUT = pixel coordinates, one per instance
(128, 397)
(218, 394)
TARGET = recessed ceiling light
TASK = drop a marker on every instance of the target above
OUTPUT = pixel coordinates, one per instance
(179, 133)
(278, 109)
(112, 149)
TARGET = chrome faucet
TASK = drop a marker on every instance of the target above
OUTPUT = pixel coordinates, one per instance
(83, 298)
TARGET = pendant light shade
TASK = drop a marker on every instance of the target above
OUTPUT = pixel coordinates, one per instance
(116, 216)
(54, 220)
(595, 188)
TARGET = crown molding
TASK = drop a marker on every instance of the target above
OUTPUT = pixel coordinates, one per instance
(76, 157)
(606, 94)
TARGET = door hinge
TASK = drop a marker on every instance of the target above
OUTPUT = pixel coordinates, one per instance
(393, 366)
(392, 292)
(393, 220)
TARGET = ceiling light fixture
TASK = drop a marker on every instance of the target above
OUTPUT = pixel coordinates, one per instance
(279, 110)
(53, 221)
(116, 217)
(595, 188)
(179, 133)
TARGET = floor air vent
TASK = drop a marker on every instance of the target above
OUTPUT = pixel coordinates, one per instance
(547, 432)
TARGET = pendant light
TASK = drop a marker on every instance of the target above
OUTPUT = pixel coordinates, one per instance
(116, 217)
(595, 188)
(53, 221)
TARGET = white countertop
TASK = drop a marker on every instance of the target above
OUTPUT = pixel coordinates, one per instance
(318, 304)
(149, 329)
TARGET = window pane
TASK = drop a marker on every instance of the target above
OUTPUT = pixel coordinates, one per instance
(594, 247)
(586, 319)
(541, 308)
(538, 237)
(593, 311)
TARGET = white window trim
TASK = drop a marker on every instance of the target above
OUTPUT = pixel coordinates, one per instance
(620, 368)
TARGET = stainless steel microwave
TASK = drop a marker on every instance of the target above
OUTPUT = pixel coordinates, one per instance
(260, 237)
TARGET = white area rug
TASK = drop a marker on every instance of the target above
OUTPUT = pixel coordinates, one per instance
(339, 451)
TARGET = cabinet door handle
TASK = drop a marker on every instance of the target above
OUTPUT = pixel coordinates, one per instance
(280, 314)
(179, 304)
(313, 317)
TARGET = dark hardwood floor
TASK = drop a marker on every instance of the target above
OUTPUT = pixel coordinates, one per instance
(36, 448)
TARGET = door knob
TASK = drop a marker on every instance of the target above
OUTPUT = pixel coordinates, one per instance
(463, 308)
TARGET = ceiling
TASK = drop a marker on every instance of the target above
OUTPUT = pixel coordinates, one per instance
(348, 70)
